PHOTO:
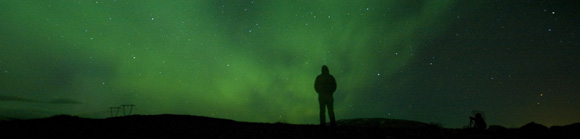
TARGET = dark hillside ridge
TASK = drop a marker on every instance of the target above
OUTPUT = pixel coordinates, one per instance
(185, 126)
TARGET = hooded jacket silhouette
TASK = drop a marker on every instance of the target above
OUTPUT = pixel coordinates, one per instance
(325, 85)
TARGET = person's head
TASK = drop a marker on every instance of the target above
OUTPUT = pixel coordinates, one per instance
(325, 70)
(478, 115)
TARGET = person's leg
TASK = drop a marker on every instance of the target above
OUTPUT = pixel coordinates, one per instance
(322, 114)
(331, 113)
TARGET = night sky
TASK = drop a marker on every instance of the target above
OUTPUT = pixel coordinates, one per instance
(429, 61)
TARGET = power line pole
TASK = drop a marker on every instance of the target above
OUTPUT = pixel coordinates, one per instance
(130, 108)
(116, 109)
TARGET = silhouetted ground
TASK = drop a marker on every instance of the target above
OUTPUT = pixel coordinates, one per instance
(181, 126)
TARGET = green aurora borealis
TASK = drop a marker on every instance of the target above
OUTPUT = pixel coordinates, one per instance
(255, 60)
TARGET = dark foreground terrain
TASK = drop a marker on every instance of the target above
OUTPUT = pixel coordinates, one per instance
(182, 126)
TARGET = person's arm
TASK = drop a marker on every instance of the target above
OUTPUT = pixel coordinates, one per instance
(317, 84)
(333, 83)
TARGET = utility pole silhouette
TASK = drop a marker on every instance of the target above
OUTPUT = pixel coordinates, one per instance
(130, 108)
(116, 109)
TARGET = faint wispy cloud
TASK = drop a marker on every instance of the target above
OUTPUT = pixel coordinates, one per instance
(52, 101)
(64, 101)
(16, 98)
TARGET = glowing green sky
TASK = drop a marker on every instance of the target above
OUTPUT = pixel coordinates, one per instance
(243, 60)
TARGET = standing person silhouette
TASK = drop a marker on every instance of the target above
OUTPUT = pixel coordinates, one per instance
(325, 85)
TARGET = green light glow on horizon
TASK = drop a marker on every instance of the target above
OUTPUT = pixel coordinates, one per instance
(243, 60)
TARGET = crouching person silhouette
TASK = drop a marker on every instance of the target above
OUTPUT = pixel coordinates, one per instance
(325, 85)
(477, 122)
